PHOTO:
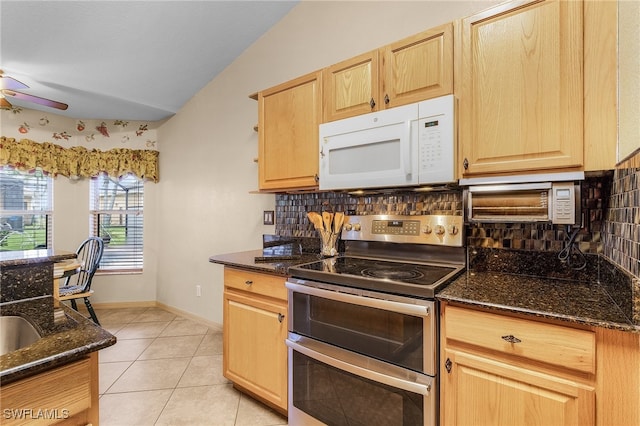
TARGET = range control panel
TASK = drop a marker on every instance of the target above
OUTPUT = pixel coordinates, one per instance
(425, 229)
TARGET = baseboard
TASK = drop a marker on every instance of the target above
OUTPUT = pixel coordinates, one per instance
(190, 316)
(155, 304)
(118, 305)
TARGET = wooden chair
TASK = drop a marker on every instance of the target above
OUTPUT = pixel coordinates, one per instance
(78, 286)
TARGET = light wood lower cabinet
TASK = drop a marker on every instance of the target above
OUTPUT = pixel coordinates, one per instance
(510, 370)
(488, 392)
(255, 329)
(66, 395)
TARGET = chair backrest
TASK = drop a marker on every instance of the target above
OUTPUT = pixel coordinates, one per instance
(89, 255)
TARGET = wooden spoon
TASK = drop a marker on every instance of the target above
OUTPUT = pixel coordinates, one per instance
(338, 219)
(327, 218)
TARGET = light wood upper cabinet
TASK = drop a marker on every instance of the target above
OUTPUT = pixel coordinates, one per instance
(351, 87)
(288, 119)
(410, 70)
(521, 88)
(418, 67)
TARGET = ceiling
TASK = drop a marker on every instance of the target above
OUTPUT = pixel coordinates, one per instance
(133, 60)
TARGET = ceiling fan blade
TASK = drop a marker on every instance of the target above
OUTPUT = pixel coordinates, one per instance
(11, 83)
(35, 99)
(4, 103)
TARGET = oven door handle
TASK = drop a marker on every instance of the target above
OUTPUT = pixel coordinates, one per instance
(351, 363)
(388, 305)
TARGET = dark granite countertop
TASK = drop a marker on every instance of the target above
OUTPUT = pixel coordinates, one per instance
(579, 302)
(27, 257)
(277, 265)
(66, 336)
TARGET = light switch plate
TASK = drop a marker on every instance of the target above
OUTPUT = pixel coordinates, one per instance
(268, 217)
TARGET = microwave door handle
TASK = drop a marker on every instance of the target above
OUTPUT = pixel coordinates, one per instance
(411, 128)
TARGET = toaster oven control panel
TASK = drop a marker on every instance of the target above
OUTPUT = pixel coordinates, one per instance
(425, 229)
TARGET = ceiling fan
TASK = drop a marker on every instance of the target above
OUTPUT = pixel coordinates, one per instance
(9, 88)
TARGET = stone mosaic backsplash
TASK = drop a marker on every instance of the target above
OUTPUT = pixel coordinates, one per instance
(291, 209)
(610, 207)
(622, 225)
(291, 218)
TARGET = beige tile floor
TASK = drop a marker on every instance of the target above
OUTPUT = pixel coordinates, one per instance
(167, 370)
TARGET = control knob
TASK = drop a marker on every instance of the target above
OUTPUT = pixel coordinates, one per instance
(356, 227)
(439, 230)
(453, 230)
(427, 229)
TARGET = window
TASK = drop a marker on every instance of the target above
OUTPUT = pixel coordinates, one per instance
(117, 217)
(25, 209)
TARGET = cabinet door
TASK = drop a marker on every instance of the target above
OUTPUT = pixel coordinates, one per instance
(255, 354)
(479, 391)
(418, 67)
(521, 91)
(288, 119)
(351, 87)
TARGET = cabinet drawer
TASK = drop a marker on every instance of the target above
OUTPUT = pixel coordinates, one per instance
(56, 395)
(255, 282)
(549, 343)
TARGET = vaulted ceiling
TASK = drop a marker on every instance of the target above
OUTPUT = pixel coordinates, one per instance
(134, 60)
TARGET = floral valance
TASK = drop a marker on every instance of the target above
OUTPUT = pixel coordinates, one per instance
(78, 160)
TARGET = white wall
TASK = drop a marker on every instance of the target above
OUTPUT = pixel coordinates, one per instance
(207, 171)
(71, 197)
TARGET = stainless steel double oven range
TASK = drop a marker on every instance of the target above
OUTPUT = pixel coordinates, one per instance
(363, 326)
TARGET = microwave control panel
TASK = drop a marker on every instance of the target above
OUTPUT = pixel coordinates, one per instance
(436, 141)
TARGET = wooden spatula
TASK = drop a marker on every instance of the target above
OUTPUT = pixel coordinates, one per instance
(316, 219)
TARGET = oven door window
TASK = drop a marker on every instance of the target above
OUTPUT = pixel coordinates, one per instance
(337, 397)
(382, 334)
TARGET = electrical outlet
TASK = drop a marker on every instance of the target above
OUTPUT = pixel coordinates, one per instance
(198, 291)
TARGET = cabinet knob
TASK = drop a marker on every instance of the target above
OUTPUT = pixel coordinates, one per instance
(511, 339)
(248, 282)
(447, 365)
(372, 103)
(280, 317)
(465, 164)
(316, 178)
(386, 99)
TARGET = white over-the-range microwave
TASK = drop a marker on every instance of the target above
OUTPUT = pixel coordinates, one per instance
(408, 145)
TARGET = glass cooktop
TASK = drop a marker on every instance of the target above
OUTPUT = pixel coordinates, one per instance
(413, 279)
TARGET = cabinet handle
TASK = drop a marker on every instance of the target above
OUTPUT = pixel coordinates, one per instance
(248, 282)
(386, 99)
(372, 103)
(511, 339)
(280, 317)
(465, 164)
(447, 365)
